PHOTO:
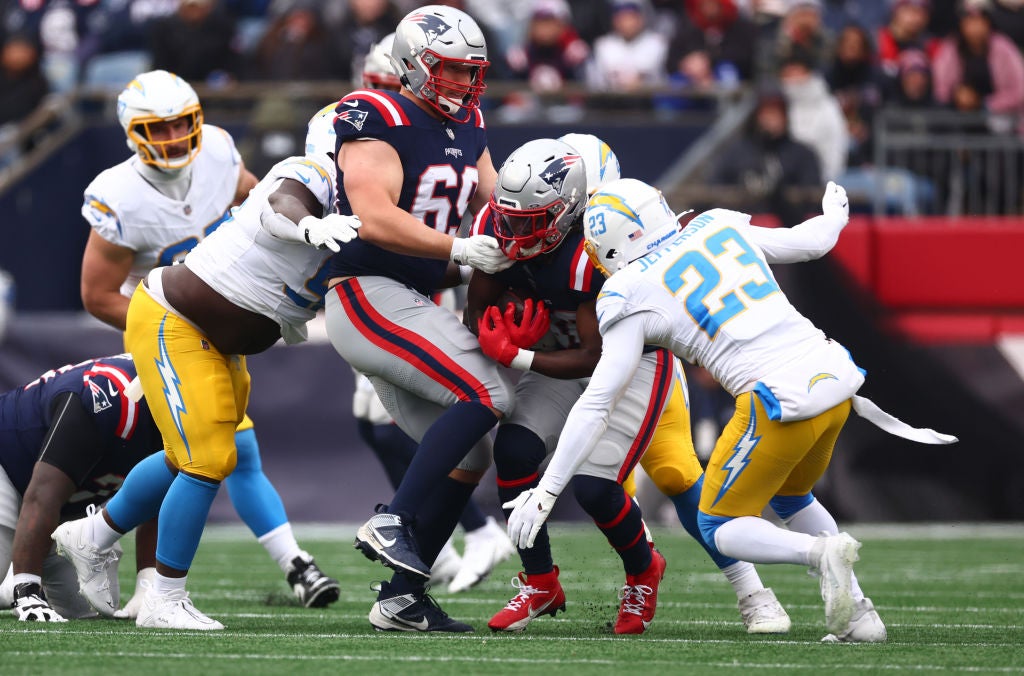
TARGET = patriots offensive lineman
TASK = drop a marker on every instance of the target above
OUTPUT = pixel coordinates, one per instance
(486, 543)
(149, 211)
(538, 208)
(410, 165)
(67, 440)
(706, 292)
(256, 279)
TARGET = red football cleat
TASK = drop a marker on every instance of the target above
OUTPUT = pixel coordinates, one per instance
(540, 595)
(639, 597)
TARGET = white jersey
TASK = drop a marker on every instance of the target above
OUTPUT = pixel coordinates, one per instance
(126, 210)
(277, 278)
(710, 297)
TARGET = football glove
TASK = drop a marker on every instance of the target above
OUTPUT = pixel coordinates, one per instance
(529, 512)
(835, 204)
(30, 604)
(494, 337)
(531, 327)
(481, 252)
(329, 230)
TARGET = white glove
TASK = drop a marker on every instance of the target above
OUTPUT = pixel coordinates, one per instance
(134, 605)
(529, 512)
(835, 204)
(329, 230)
(481, 252)
(30, 604)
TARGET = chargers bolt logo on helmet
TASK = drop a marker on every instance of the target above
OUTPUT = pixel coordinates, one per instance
(626, 220)
(162, 119)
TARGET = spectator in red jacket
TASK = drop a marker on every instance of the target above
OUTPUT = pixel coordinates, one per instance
(907, 29)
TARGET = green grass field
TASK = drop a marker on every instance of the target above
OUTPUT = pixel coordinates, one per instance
(952, 597)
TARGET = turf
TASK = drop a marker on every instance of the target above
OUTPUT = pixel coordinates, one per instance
(951, 596)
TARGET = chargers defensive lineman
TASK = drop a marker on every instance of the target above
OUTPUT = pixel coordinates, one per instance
(707, 294)
(538, 210)
(151, 210)
(411, 164)
(256, 279)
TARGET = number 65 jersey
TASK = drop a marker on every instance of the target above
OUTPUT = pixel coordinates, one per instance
(710, 297)
(439, 160)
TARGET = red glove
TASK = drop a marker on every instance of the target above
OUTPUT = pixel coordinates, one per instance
(533, 325)
(494, 338)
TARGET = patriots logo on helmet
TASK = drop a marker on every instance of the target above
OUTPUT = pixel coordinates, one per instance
(554, 174)
(356, 118)
(433, 26)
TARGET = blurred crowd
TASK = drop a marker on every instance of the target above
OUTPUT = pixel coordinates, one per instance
(823, 68)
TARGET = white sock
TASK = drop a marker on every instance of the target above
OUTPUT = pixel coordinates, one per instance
(744, 578)
(751, 538)
(100, 532)
(22, 578)
(814, 519)
(281, 545)
(165, 585)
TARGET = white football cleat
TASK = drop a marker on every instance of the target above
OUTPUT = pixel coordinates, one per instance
(832, 559)
(96, 570)
(486, 547)
(7, 588)
(865, 626)
(446, 565)
(173, 610)
(763, 614)
(134, 605)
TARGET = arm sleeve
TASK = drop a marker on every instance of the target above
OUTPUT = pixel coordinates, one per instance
(812, 239)
(72, 442)
(620, 355)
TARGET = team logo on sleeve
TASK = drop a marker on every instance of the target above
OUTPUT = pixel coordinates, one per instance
(554, 174)
(356, 118)
(432, 26)
(100, 401)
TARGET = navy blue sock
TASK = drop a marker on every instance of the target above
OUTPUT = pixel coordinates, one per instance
(472, 517)
(518, 453)
(393, 447)
(686, 504)
(444, 445)
(618, 517)
(434, 525)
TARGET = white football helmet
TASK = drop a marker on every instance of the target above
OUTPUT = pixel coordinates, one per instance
(150, 103)
(378, 72)
(539, 195)
(321, 139)
(428, 43)
(626, 220)
(601, 162)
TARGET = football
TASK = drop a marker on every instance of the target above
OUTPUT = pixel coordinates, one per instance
(517, 297)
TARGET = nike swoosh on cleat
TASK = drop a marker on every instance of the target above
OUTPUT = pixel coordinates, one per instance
(384, 542)
(420, 625)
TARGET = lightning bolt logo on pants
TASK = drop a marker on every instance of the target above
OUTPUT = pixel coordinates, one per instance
(172, 391)
(740, 457)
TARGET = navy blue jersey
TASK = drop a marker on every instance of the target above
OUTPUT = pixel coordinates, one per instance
(439, 159)
(124, 428)
(564, 278)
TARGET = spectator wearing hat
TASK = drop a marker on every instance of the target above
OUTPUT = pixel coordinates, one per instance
(713, 43)
(980, 69)
(766, 160)
(632, 56)
(552, 52)
(907, 29)
(802, 32)
(914, 82)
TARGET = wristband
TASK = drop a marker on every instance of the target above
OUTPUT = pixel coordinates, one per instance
(304, 229)
(523, 360)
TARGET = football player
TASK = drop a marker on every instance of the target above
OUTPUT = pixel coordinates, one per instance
(537, 189)
(254, 280)
(486, 543)
(411, 164)
(67, 440)
(707, 293)
(179, 185)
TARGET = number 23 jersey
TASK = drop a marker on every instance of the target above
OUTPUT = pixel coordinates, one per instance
(439, 161)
